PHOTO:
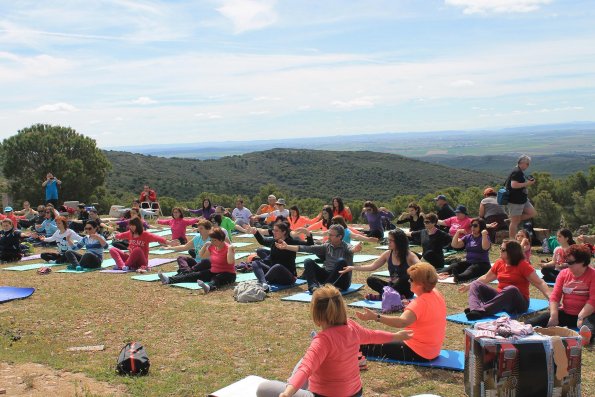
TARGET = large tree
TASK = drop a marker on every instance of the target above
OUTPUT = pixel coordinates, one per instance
(73, 158)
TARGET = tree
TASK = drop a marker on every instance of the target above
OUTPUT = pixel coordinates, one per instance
(73, 158)
(549, 212)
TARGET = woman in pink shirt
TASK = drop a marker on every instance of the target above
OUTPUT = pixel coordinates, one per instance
(460, 221)
(330, 365)
(425, 316)
(220, 268)
(137, 257)
(178, 225)
(572, 302)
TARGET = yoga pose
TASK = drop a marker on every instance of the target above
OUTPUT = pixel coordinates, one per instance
(425, 316)
(240, 214)
(337, 255)
(137, 257)
(339, 209)
(216, 267)
(47, 227)
(330, 365)
(373, 216)
(432, 240)
(27, 215)
(414, 217)
(477, 245)
(94, 244)
(10, 242)
(514, 274)
(572, 302)
(178, 224)
(205, 211)
(459, 221)
(350, 232)
(64, 238)
(551, 269)
(522, 237)
(399, 259)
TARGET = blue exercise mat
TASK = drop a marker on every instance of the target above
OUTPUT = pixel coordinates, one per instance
(307, 297)
(32, 266)
(8, 294)
(453, 360)
(535, 305)
(279, 287)
(372, 305)
(152, 277)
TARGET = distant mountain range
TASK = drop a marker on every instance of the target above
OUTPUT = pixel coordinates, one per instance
(301, 173)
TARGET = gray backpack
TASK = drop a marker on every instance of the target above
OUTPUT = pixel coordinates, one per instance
(249, 291)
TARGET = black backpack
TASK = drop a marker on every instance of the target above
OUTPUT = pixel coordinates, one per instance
(133, 360)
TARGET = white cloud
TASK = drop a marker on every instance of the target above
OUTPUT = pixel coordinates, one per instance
(208, 116)
(462, 83)
(249, 14)
(143, 100)
(60, 107)
(497, 6)
(363, 102)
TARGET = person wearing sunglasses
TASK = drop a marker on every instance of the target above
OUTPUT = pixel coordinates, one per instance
(572, 301)
(64, 238)
(94, 244)
(477, 246)
(514, 274)
(432, 241)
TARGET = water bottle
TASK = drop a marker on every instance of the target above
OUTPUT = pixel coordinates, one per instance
(585, 333)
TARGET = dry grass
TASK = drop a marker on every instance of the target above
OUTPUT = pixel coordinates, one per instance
(197, 344)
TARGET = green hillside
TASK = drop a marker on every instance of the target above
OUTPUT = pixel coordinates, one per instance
(302, 173)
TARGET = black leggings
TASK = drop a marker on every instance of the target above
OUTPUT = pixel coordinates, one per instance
(549, 274)
(393, 350)
(121, 245)
(401, 285)
(434, 258)
(316, 275)
(564, 320)
(10, 256)
(54, 256)
(276, 274)
(465, 271)
(379, 234)
(202, 271)
(87, 260)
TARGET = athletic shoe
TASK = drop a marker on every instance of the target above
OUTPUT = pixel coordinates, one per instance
(71, 267)
(125, 268)
(266, 287)
(205, 287)
(79, 268)
(164, 279)
(373, 297)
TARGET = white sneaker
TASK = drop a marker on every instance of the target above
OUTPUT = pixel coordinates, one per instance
(164, 279)
(205, 287)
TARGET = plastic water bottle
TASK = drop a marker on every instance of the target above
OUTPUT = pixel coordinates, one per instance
(585, 333)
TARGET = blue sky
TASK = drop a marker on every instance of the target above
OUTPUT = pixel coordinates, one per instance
(144, 72)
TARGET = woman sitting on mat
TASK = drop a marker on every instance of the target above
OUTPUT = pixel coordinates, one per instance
(575, 290)
(477, 245)
(296, 220)
(522, 237)
(10, 242)
(205, 211)
(325, 221)
(178, 224)
(137, 257)
(276, 266)
(217, 266)
(94, 244)
(425, 316)
(492, 212)
(373, 216)
(330, 365)
(460, 221)
(551, 269)
(414, 217)
(432, 240)
(514, 274)
(102, 228)
(339, 209)
(399, 259)
(48, 225)
(27, 215)
(64, 238)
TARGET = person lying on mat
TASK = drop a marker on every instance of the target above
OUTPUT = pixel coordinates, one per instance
(94, 244)
(64, 238)
(337, 255)
(425, 316)
(178, 224)
(339, 209)
(137, 257)
(572, 302)
(399, 258)
(330, 365)
(477, 246)
(10, 242)
(432, 241)
(276, 266)
(514, 274)
(216, 268)
(551, 269)
(414, 217)
(373, 217)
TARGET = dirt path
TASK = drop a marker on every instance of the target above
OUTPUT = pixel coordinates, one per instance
(40, 380)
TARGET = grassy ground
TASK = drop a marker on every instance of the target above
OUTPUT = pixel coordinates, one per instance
(197, 344)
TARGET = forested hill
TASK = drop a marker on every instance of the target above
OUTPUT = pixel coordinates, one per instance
(302, 173)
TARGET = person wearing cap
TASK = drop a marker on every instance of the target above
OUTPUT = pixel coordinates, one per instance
(491, 212)
(460, 221)
(279, 210)
(9, 214)
(519, 207)
(445, 211)
(267, 209)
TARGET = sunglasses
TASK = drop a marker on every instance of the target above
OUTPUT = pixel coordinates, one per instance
(570, 263)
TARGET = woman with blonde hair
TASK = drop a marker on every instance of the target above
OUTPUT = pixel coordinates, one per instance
(330, 365)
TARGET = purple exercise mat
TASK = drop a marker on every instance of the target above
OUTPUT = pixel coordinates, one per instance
(30, 257)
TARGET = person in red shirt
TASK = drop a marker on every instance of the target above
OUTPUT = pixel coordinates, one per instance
(137, 257)
(147, 195)
(339, 209)
(330, 365)
(514, 274)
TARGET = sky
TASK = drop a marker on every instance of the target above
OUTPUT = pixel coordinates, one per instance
(130, 72)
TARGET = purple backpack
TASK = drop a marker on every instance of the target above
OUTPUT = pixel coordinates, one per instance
(391, 300)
